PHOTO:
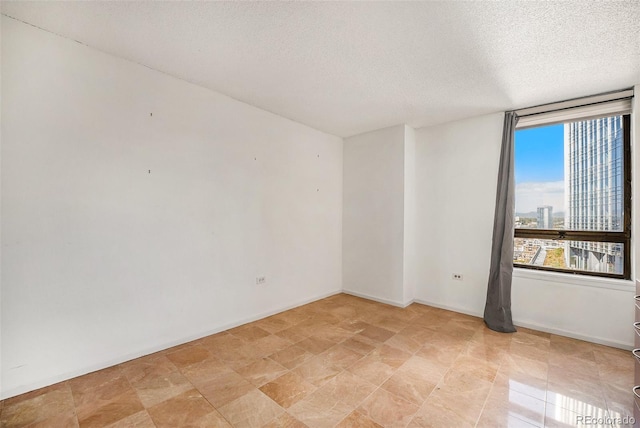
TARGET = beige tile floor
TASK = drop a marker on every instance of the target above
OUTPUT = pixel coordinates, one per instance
(347, 362)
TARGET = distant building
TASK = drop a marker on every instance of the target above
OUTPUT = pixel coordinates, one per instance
(593, 151)
(545, 217)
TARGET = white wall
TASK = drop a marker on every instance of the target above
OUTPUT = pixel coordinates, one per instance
(103, 261)
(456, 173)
(456, 170)
(373, 215)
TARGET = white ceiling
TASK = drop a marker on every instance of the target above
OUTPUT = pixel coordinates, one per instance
(351, 67)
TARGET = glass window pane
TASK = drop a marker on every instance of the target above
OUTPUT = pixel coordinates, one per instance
(574, 255)
(570, 176)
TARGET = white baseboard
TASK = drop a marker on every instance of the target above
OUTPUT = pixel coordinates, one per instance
(538, 327)
(147, 351)
(449, 308)
(104, 364)
(377, 299)
(561, 332)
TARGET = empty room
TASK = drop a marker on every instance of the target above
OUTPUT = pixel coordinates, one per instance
(319, 214)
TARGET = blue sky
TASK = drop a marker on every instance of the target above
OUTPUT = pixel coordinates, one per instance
(539, 168)
(539, 154)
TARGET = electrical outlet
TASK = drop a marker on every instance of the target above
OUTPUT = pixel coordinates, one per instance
(457, 276)
(261, 280)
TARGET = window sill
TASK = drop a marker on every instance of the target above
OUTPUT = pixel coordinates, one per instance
(581, 280)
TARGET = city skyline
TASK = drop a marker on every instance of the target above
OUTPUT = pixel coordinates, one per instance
(591, 192)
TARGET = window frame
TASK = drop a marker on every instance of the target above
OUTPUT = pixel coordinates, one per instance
(614, 237)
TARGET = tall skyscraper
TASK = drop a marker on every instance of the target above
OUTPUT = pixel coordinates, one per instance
(545, 217)
(593, 153)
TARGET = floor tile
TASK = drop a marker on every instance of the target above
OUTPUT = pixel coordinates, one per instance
(285, 420)
(523, 383)
(393, 323)
(291, 357)
(560, 417)
(261, 371)
(104, 397)
(294, 334)
(269, 344)
(360, 344)
(517, 364)
(141, 419)
(528, 337)
(471, 366)
(187, 409)
(288, 389)
(204, 370)
(619, 401)
(188, 356)
(531, 352)
(357, 420)
(249, 332)
(315, 345)
(66, 419)
(486, 351)
(570, 362)
(273, 324)
(417, 333)
(441, 353)
(349, 388)
(220, 341)
(572, 347)
(390, 356)
(489, 337)
(156, 389)
(105, 411)
(388, 409)
(36, 406)
(333, 333)
(453, 330)
(498, 417)
(405, 343)
(459, 382)
(353, 325)
(340, 356)
(409, 385)
(372, 370)
(251, 410)
(316, 371)
(155, 379)
(450, 408)
(320, 410)
(94, 380)
(503, 402)
(575, 386)
(378, 334)
(224, 388)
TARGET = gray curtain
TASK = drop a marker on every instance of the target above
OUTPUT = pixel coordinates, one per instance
(497, 311)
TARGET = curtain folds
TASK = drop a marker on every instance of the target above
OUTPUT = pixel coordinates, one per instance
(497, 311)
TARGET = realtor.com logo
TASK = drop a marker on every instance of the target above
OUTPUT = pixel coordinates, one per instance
(605, 420)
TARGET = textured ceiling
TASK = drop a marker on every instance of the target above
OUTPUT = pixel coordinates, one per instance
(351, 67)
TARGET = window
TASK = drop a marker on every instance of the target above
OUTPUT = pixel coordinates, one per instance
(573, 191)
